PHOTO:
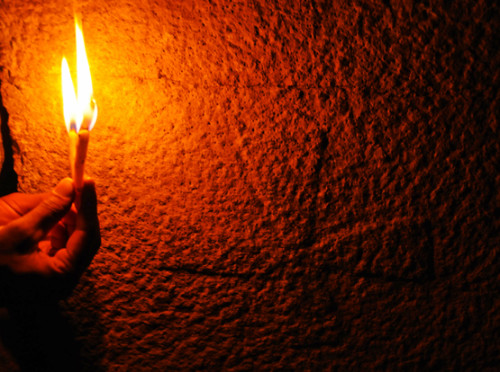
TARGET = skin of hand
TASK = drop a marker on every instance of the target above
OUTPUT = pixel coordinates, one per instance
(46, 243)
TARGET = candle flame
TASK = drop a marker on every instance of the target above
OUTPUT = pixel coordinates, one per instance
(80, 110)
(69, 97)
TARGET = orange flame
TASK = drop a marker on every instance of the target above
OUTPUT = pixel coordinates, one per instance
(80, 111)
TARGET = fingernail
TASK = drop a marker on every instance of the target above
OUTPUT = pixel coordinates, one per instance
(65, 188)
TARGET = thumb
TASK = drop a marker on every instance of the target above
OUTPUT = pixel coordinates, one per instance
(33, 226)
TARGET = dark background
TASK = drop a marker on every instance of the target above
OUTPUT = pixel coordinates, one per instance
(283, 185)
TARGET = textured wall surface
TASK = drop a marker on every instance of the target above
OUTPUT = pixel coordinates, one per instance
(297, 185)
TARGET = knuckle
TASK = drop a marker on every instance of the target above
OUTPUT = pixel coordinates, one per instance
(53, 205)
(60, 268)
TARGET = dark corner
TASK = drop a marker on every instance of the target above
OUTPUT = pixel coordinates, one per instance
(8, 176)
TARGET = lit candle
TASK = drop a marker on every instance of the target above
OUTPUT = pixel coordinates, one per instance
(80, 110)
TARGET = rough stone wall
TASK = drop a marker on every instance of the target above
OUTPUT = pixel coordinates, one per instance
(283, 185)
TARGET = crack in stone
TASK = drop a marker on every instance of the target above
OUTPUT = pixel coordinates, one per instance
(205, 272)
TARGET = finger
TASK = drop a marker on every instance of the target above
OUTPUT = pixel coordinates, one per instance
(17, 204)
(24, 232)
(83, 244)
(45, 246)
(60, 233)
(58, 238)
(86, 217)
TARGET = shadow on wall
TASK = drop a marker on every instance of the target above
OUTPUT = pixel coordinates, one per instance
(8, 176)
(39, 338)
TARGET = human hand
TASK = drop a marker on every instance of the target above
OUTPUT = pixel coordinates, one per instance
(45, 243)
